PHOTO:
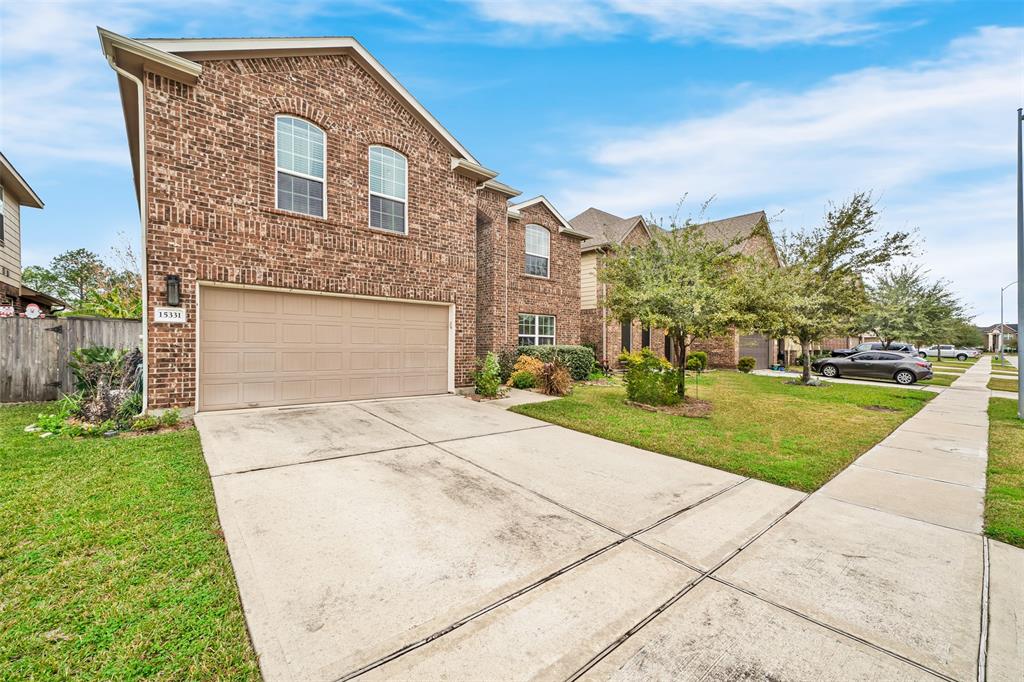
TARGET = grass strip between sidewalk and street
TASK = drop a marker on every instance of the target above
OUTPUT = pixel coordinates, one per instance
(112, 561)
(1003, 384)
(792, 435)
(1004, 494)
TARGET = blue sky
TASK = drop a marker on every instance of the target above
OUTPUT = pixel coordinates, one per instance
(623, 104)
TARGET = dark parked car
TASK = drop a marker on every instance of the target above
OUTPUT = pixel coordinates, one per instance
(903, 369)
(875, 345)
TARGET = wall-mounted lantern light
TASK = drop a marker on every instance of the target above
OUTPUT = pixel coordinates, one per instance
(173, 290)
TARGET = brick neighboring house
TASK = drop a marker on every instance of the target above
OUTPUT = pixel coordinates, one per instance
(16, 193)
(323, 236)
(608, 335)
(599, 329)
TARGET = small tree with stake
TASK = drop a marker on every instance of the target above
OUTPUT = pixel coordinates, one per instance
(681, 281)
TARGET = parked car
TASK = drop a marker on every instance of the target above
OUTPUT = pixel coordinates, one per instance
(875, 345)
(949, 351)
(900, 367)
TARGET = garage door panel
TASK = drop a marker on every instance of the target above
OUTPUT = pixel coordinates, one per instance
(267, 348)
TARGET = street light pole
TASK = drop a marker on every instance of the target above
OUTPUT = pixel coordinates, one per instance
(1020, 260)
(1002, 360)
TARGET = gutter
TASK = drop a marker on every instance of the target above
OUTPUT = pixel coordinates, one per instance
(142, 220)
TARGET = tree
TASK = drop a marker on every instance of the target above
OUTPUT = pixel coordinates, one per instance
(69, 277)
(819, 289)
(682, 282)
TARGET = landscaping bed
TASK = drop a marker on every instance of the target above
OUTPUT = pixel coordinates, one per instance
(1004, 494)
(791, 435)
(112, 563)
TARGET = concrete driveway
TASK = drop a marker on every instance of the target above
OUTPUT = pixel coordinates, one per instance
(438, 538)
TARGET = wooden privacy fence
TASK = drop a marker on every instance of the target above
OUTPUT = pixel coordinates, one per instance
(34, 354)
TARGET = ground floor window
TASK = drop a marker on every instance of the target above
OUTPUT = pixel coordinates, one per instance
(536, 330)
(645, 338)
(668, 347)
(627, 336)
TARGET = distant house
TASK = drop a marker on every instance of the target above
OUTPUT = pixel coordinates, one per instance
(751, 235)
(14, 194)
(991, 334)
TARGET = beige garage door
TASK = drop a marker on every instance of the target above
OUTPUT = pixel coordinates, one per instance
(259, 348)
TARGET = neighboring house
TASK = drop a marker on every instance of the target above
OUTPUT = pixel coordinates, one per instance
(753, 238)
(14, 194)
(606, 335)
(323, 236)
(991, 334)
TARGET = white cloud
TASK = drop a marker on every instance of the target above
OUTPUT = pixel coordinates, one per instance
(750, 23)
(912, 134)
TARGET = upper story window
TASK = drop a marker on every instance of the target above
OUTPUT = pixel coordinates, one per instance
(301, 166)
(389, 174)
(538, 250)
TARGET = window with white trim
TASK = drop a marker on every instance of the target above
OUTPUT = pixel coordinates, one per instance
(301, 166)
(389, 173)
(538, 250)
(536, 330)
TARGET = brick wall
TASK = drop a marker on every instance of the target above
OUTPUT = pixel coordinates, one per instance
(211, 215)
(559, 293)
(723, 351)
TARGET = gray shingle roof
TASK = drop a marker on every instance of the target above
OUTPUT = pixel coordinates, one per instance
(736, 227)
(607, 229)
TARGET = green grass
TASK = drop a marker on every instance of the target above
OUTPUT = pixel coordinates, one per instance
(1004, 497)
(112, 566)
(939, 380)
(1001, 384)
(795, 436)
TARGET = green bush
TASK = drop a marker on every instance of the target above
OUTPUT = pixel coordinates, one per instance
(170, 417)
(522, 379)
(579, 360)
(746, 364)
(697, 361)
(649, 379)
(507, 361)
(488, 377)
(146, 423)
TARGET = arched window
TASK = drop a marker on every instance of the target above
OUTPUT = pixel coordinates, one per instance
(538, 250)
(301, 150)
(389, 171)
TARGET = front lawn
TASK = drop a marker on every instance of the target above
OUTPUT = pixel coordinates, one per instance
(112, 565)
(939, 380)
(1001, 384)
(1004, 497)
(760, 426)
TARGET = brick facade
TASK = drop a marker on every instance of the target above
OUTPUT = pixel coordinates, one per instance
(211, 213)
(723, 351)
(559, 293)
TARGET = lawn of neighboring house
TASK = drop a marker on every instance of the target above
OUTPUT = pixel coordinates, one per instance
(1004, 496)
(112, 563)
(1003, 384)
(939, 380)
(760, 426)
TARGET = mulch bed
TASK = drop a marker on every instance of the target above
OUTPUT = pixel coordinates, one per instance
(690, 407)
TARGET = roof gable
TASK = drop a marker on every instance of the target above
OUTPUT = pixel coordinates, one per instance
(606, 229)
(16, 185)
(564, 226)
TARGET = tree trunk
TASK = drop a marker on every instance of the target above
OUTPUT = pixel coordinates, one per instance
(805, 357)
(679, 354)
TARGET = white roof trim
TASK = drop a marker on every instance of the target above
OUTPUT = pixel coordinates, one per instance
(234, 47)
(565, 226)
(110, 40)
(500, 188)
(473, 170)
(16, 185)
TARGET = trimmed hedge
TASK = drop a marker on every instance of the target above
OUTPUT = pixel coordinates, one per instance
(579, 359)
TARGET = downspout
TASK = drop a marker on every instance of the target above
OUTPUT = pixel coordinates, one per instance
(604, 325)
(142, 220)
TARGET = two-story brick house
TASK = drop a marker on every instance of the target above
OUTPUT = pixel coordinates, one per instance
(750, 235)
(312, 233)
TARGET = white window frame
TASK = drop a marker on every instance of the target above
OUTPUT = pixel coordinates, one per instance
(278, 169)
(537, 336)
(370, 193)
(545, 256)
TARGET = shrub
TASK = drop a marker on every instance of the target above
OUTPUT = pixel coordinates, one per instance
(507, 358)
(649, 379)
(555, 378)
(170, 417)
(488, 377)
(746, 364)
(578, 359)
(528, 363)
(523, 379)
(146, 423)
(697, 361)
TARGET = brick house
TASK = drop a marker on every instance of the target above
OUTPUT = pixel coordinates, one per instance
(609, 336)
(15, 193)
(311, 233)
